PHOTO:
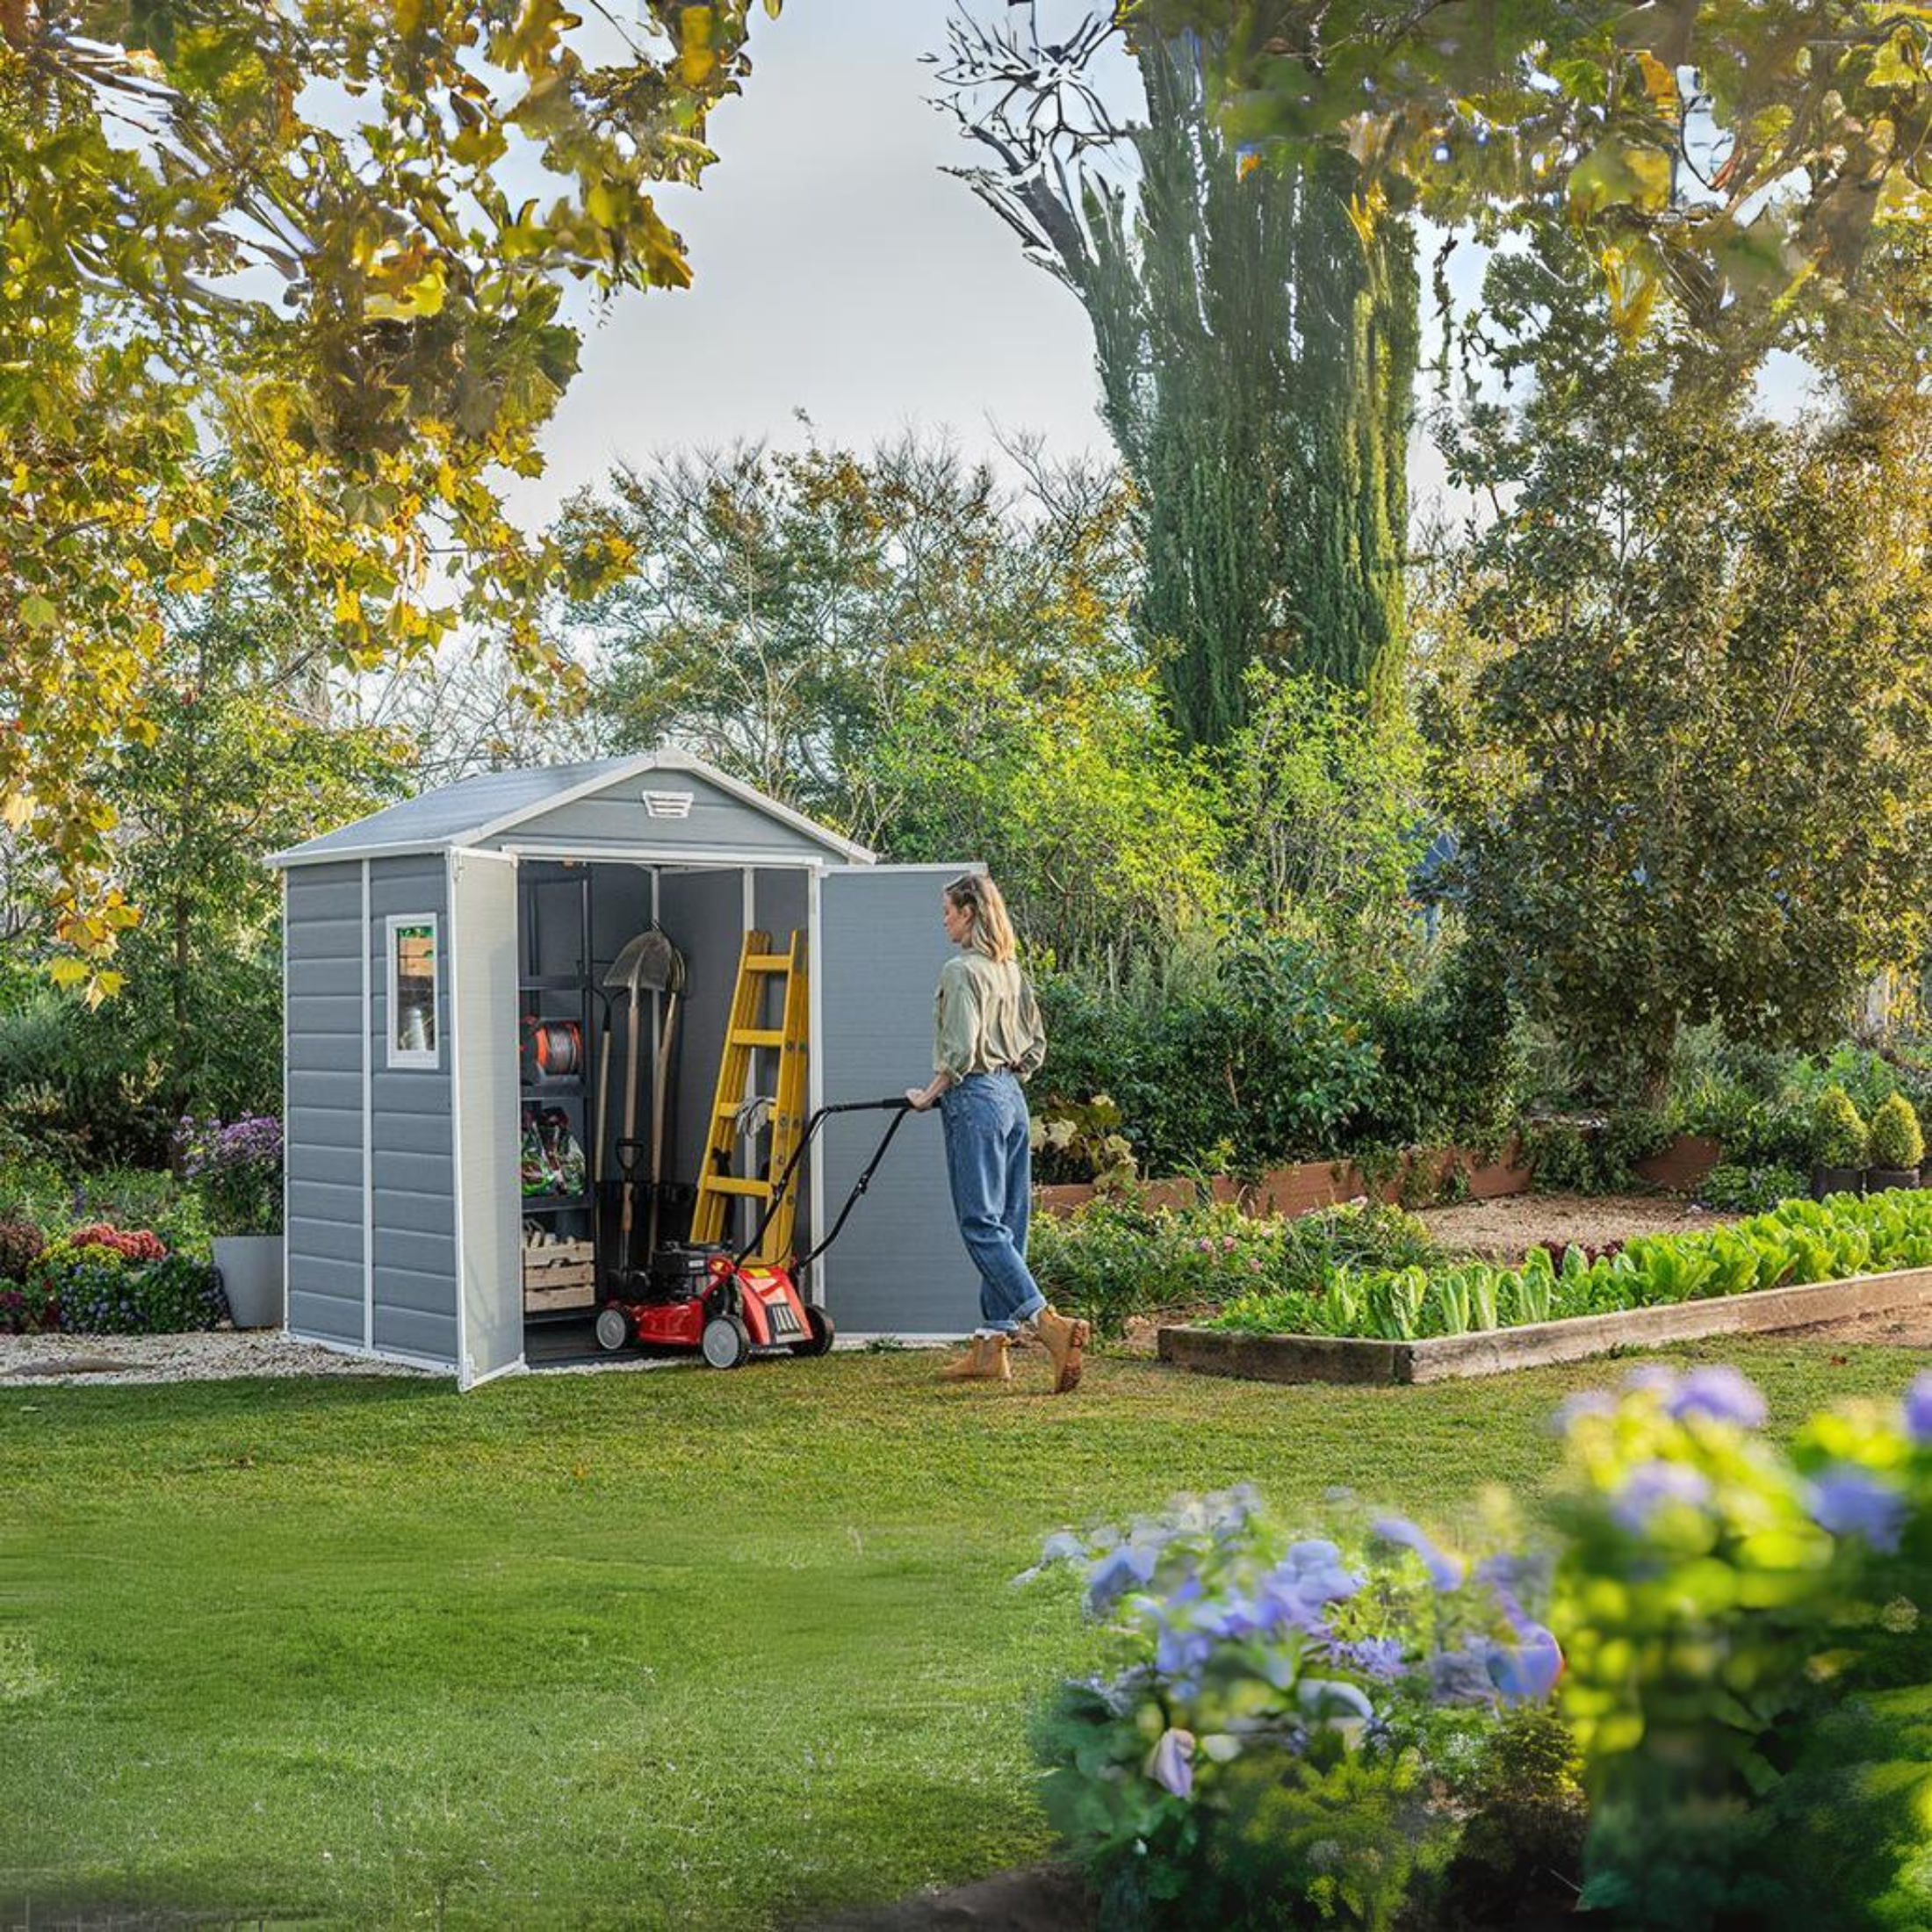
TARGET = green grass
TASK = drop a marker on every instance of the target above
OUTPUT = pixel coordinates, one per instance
(679, 1649)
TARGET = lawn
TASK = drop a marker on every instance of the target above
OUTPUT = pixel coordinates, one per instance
(678, 1648)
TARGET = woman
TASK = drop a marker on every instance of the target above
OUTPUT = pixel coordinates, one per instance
(987, 1040)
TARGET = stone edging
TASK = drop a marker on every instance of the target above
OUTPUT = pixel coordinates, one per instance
(1494, 1351)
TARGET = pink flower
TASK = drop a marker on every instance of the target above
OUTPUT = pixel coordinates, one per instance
(1206, 1243)
(1229, 1243)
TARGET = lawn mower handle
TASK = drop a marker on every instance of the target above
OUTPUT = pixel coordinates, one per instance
(897, 1105)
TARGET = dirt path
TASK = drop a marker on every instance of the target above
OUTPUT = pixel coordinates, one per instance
(1504, 1230)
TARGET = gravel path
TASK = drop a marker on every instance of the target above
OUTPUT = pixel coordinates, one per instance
(31, 1359)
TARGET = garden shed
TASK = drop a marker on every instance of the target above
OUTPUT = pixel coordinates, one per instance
(426, 947)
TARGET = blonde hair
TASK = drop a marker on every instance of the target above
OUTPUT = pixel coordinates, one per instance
(992, 932)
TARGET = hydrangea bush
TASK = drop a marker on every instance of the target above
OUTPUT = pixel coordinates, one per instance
(1357, 1728)
(235, 1166)
(1279, 1711)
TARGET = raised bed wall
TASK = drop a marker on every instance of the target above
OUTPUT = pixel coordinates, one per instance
(1494, 1351)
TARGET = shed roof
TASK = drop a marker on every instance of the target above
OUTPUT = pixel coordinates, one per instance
(490, 803)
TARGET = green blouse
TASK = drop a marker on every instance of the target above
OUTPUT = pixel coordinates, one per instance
(985, 1019)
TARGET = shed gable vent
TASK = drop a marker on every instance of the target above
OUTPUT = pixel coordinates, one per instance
(668, 805)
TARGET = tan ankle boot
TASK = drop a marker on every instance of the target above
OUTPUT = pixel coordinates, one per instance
(985, 1361)
(1064, 1339)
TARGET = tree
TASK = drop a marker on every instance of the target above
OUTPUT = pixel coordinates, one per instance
(315, 233)
(1256, 341)
(1692, 762)
(1729, 153)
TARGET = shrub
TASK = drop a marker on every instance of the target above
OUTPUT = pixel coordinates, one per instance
(27, 1310)
(1731, 1188)
(1277, 1707)
(1839, 1134)
(21, 1245)
(1895, 1140)
(236, 1169)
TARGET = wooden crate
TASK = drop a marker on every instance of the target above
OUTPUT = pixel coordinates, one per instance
(558, 1275)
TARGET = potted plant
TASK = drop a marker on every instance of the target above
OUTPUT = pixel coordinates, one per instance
(236, 1169)
(1838, 1145)
(1897, 1146)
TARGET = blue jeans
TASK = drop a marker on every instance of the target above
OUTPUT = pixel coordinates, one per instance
(989, 1162)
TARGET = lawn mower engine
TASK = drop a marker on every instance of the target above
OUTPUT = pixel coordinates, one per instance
(706, 1298)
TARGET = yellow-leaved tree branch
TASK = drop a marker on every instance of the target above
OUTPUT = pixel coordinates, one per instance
(316, 247)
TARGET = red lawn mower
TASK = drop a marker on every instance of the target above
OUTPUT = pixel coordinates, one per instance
(720, 1302)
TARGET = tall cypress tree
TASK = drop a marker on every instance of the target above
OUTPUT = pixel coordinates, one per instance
(1257, 350)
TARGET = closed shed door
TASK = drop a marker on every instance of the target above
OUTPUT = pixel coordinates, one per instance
(899, 1267)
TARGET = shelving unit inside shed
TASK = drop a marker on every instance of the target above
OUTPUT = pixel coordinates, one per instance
(558, 985)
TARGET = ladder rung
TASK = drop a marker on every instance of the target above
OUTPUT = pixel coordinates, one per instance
(733, 1184)
(768, 963)
(758, 1036)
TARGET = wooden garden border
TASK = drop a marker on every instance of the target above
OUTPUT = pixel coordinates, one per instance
(1494, 1351)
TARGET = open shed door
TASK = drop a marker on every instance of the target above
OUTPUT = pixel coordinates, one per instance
(899, 1267)
(485, 1100)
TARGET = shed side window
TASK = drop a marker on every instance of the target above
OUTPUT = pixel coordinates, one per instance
(414, 963)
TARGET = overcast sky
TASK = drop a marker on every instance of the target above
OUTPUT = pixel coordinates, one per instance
(837, 272)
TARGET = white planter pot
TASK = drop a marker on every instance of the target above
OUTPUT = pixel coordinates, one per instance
(251, 1278)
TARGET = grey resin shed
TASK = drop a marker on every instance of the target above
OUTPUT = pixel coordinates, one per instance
(423, 943)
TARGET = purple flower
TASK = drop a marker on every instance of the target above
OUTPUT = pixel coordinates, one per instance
(1526, 1672)
(1171, 1761)
(1377, 1657)
(1652, 1379)
(1121, 1567)
(1445, 1572)
(1720, 1393)
(1460, 1677)
(1329, 1699)
(1918, 1411)
(1848, 1501)
(1650, 1486)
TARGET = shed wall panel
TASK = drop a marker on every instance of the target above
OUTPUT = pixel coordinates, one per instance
(899, 1267)
(414, 1289)
(322, 1018)
(405, 1331)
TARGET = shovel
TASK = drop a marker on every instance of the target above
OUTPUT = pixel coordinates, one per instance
(649, 963)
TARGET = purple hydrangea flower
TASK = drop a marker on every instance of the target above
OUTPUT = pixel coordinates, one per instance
(1122, 1566)
(1377, 1657)
(1171, 1761)
(1651, 1486)
(1848, 1501)
(1445, 1571)
(1460, 1677)
(1720, 1393)
(1918, 1411)
(1652, 1379)
(1526, 1672)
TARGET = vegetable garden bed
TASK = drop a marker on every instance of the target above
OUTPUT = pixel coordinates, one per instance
(1347, 1359)
(1804, 1264)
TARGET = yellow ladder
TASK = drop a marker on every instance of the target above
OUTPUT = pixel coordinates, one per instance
(746, 1035)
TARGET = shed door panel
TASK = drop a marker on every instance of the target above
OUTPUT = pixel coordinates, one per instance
(899, 1268)
(483, 1052)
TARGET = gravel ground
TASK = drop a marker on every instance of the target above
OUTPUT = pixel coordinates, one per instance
(1504, 1230)
(28, 1359)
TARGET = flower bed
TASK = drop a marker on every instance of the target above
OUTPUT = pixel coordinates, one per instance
(100, 1279)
